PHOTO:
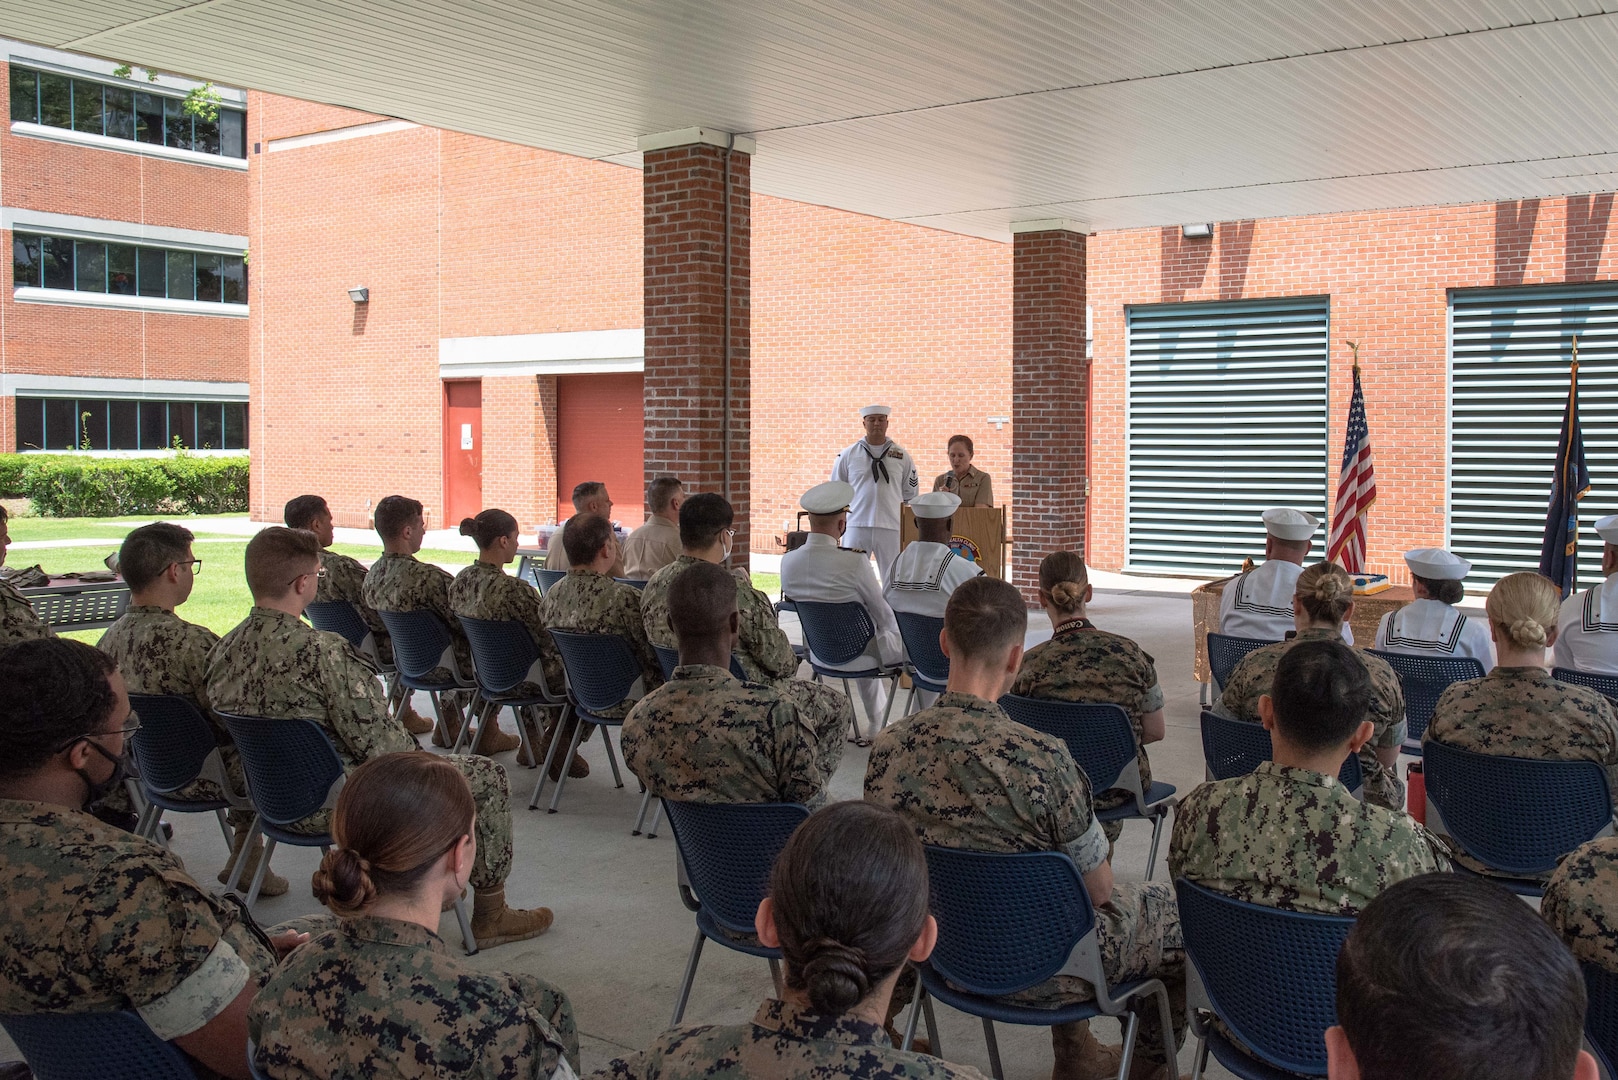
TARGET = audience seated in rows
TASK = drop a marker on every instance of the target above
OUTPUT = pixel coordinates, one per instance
(657, 542)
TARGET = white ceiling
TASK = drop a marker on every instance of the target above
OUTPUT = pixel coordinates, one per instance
(965, 115)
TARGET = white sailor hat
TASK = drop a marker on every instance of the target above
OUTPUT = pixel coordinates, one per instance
(827, 498)
(935, 504)
(1436, 564)
(1284, 523)
(1607, 528)
(875, 410)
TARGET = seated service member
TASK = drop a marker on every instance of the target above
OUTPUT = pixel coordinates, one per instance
(589, 497)
(968, 776)
(275, 665)
(97, 919)
(822, 571)
(705, 736)
(1083, 664)
(18, 622)
(379, 994)
(485, 591)
(398, 581)
(1587, 629)
(1518, 709)
(928, 571)
(847, 907)
(1429, 625)
(657, 542)
(1445, 977)
(157, 652)
(1581, 903)
(968, 481)
(1322, 604)
(1258, 604)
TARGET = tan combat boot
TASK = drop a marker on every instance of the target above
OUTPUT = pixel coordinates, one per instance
(273, 884)
(1079, 1056)
(414, 722)
(490, 740)
(493, 923)
(1142, 1069)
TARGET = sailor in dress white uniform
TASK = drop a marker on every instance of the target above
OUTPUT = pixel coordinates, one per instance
(883, 476)
(1429, 625)
(1258, 604)
(929, 570)
(1587, 631)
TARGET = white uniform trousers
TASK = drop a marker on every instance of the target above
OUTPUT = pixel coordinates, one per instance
(883, 544)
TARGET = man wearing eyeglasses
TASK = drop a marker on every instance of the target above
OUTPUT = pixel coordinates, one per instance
(157, 652)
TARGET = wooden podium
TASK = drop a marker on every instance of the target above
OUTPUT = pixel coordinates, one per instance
(980, 531)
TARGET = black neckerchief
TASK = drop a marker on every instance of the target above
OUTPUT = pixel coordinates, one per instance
(1080, 623)
(879, 469)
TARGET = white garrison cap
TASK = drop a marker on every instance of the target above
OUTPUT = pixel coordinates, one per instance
(875, 410)
(1607, 528)
(935, 504)
(1284, 523)
(1436, 564)
(827, 498)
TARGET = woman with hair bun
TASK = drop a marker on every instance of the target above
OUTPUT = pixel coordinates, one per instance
(1322, 602)
(1518, 709)
(1429, 625)
(380, 994)
(847, 907)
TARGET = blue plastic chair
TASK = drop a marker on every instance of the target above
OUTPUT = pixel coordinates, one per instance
(1102, 741)
(1517, 816)
(725, 852)
(504, 658)
(1424, 679)
(103, 1045)
(1605, 685)
(633, 583)
(1225, 652)
(252, 1062)
(174, 746)
(544, 579)
(1235, 748)
(668, 659)
(421, 645)
(925, 661)
(1007, 923)
(601, 671)
(1601, 1017)
(838, 634)
(342, 617)
(1269, 975)
(787, 604)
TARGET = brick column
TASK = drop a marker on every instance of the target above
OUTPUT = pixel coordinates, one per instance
(1049, 395)
(684, 183)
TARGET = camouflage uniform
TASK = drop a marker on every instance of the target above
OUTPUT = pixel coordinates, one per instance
(485, 591)
(17, 619)
(405, 583)
(98, 920)
(276, 665)
(968, 776)
(377, 997)
(762, 651)
(708, 737)
(590, 603)
(1523, 712)
(1581, 903)
(1082, 664)
(783, 1042)
(1256, 671)
(345, 580)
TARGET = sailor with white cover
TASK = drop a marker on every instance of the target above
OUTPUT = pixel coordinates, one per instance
(883, 476)
(928, 571)
(1429, 625)
(1587, 631)
(1258, 604)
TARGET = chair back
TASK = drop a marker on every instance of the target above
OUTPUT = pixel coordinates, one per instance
(173, 742)
(105, 1045)
(835, 633)
(927, 659)
(1005, 922)
(1099, 737)
(420, 642)
(291, 765)
(1554, 806)
(340, 617)
(1270, 975)
(668, 659)
(1601, 1017)
(544, 579)
(503, 653)
(1235, 748)
(1605, 685)
(1225, 652)
(1424, 679)
(633, 583)
(601, 668)
(727, 851)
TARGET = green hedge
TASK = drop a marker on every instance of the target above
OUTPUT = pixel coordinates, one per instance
(71, 486)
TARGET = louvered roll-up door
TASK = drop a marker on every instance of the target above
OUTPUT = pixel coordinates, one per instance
(1227, 418)
(1509, 353)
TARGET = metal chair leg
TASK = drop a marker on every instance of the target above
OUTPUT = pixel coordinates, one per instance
(224, 827)
(657, 812)
(258, 875)
(612, 758)
(253, 834)
(1157, 834)
(775, 977)
(910, 1023)
(1129, 1044)
(690, 977)
(1199, 1058)
(463, 917)
(645, 801)
(550, 755)
(573, 748)
(526, 750)
(932, 1024)
(994, 1049)
(1166, 1020)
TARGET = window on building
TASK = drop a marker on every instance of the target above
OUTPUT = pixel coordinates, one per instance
(54, 262)
(70, 423)
(123, 112)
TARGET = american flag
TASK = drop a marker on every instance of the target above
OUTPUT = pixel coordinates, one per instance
(1356, 490)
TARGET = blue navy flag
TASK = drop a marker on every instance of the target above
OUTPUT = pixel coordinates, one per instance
(1558, 553)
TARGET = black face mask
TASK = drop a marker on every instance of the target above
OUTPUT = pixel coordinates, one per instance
(99, 789)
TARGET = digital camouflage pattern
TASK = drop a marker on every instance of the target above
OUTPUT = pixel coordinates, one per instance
(1581, 903)
(708, 737)
(345, 580)
(276, 665)
(485, 591)
(376, 997)
(1256, 671)
(1524, 712)
(17, 619)
(1297, 840)
(591, 603)
(405, 583)
(783, 1042)
(97, 919)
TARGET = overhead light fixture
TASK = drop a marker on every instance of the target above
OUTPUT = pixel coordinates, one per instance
(1196, 232)
(361, 295)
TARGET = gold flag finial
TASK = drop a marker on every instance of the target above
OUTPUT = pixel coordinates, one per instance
(1575, 352)
(1356, 347)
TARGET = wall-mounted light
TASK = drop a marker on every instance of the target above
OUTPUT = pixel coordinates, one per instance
(362, 295)
(1196, 232)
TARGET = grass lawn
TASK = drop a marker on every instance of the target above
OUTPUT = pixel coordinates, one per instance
(37, 528)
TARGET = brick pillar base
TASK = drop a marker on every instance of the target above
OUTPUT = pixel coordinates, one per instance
(685, 254)
(1049, 398)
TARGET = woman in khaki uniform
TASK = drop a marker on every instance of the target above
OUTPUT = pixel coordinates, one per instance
(971, 484)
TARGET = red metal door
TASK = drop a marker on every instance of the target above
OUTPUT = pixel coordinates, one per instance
(600, 421)
(463, 451)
